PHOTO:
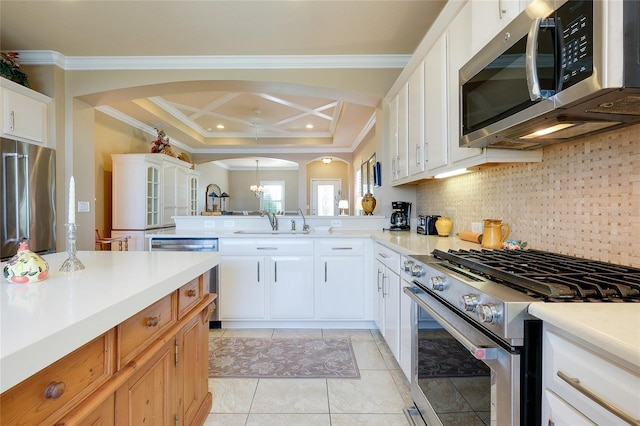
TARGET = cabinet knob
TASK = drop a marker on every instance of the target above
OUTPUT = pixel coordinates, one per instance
(191, 293)
(55, 390)
(152, 321)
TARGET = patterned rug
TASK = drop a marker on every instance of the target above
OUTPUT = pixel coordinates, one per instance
(282, 358)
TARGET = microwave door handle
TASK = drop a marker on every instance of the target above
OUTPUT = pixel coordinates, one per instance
(531, 61)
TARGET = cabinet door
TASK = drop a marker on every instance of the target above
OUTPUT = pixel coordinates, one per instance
(405, 331)
(340, 287)
(380, 273)
(416, 121)
(193, 365)
(193, 195)
(458, 53)
(392, 312)
(153, 195)
(291, 287)
(436, 104)
(402, 159)
(148, 398)
(489, 17)
(557, 412)
(242, 292)
(169, 193)
(23, 117)
(183, 192)
(393, 138)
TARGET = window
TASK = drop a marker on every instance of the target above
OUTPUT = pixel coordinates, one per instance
(272, 199)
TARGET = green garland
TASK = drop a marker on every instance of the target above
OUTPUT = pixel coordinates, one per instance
(9, 68)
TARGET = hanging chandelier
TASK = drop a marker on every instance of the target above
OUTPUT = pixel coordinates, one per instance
(257, 189)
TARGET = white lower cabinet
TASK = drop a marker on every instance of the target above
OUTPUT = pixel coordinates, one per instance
(388, 300)
(266, 279)
(293, 279)
(572, 370)
(340, 279)
(290, 287)
(242, 287)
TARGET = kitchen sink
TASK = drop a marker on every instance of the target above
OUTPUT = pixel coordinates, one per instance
(269, 232)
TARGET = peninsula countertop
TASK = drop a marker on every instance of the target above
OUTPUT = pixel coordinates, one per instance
(44, 321)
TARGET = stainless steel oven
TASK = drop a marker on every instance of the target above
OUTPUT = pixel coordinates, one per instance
(462, 376)
(476, 351)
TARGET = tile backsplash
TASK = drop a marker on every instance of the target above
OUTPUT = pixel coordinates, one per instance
(583, 199)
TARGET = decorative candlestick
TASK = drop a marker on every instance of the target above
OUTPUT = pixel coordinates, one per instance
(72, 263)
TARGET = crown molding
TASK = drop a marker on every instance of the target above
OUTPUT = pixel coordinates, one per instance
(92, 63)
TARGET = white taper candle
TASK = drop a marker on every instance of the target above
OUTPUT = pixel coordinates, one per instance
(72, 200)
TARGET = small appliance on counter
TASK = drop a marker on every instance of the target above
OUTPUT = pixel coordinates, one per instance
(427, 225)
(400, 216)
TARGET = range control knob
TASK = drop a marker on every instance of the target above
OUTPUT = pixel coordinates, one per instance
(488, 313)
(417, 270)
(437, 283)
(468, 302)
(408, 266)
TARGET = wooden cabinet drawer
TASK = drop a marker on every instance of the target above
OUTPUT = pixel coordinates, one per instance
(138, 331)
(609, 381)
(189, 295)
(59, 386)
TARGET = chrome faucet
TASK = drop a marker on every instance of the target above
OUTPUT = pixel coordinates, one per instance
(273, 220)
(305, 227)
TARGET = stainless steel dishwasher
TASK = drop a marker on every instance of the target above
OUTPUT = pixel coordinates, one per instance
(193, 244)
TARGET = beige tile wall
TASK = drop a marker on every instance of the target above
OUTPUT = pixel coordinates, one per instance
(583, 199)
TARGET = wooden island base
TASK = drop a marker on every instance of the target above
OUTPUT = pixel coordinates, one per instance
(150, 369)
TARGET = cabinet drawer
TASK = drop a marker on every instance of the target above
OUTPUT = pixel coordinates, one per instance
(610, 382)
(266, 246)
(60, 385)
(189, 295)
(390, 258)
(138, 331)
(340, 247)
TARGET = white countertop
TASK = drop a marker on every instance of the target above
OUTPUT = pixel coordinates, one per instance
(611, 329)
(44, 321)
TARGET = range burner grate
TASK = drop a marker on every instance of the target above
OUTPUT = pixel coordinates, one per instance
(552, 276)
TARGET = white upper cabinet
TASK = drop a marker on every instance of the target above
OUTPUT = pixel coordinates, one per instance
(402, 149)
(416, 121)
(23, 113)
(435, 105)
(489, 17)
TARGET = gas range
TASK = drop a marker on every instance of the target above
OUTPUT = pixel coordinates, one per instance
(493, 288)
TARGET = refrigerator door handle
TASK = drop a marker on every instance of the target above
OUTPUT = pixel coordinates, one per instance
(25, 234)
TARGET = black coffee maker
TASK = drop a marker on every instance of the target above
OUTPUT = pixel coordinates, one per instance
(400, 216)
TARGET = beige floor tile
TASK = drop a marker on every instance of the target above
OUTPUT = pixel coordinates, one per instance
(403, 385)
(264, 333)
(216, 419)
(375, 392)
(291, 396)
(216, 332)
(368, 356)
(354, 335)
(232, 395)
(288, 420)
(297, 333)
(368, 420)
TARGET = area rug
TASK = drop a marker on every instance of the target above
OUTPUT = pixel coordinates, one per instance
(445, 357)
(282, 358)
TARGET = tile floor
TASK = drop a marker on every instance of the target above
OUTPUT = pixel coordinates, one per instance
(377, 398)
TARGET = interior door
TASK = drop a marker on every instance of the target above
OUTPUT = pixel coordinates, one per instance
(325, 194)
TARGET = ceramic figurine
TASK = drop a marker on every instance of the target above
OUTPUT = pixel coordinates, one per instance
(26, 267)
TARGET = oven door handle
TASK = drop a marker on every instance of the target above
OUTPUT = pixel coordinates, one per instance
(479, 352)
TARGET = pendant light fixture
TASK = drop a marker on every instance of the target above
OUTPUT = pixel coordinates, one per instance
(257, 189)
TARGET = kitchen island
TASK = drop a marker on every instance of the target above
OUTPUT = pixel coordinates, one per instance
(127, 302)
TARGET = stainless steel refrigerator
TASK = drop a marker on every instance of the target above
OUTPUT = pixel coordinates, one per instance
(27, 203)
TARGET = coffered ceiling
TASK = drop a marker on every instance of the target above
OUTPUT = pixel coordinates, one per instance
(351, 41)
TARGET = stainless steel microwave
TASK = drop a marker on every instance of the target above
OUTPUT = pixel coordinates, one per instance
(558, 71)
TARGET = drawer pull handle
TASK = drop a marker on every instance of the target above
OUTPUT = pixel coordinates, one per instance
(152, 321)
(55, 390)
(575, 383)
(191, 293)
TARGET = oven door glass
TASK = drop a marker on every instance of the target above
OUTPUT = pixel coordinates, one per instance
(456, 384)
